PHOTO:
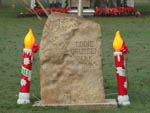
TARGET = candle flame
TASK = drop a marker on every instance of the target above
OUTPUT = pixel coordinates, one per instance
(29, 40)
(118, 42)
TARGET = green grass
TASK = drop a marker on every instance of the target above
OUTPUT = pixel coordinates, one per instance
(135, 32)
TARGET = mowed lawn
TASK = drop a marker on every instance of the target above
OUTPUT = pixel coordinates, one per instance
(135, 32)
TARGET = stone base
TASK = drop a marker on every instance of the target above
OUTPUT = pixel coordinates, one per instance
(109, 104)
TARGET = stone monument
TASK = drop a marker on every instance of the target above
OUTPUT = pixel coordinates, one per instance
(71, 63)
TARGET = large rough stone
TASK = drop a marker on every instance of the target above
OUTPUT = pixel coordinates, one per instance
(71, 61)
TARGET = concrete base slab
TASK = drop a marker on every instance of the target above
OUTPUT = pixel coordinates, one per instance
(109, 104)
(86, 12)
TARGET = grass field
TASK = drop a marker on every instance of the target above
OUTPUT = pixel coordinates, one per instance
(135, 31)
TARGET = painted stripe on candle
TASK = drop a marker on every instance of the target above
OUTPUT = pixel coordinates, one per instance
(25, 72)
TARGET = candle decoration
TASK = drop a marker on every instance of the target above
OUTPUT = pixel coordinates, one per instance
(30, 49)
(120, 51)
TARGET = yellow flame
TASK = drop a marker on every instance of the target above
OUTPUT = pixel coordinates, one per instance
(118, 41)
(29, 40)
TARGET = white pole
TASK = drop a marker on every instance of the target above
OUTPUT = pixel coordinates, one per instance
(130, 3)
(33, 4)
(80, 8)
(63, 3)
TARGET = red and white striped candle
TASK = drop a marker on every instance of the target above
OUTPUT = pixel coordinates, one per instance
(120, 50)
(30, 48)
